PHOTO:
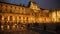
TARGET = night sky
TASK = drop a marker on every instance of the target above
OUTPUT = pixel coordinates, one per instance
(44, 4)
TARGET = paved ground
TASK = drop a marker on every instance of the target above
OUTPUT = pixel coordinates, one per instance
(19, 32)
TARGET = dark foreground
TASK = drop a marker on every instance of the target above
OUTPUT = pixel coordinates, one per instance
(42, 28)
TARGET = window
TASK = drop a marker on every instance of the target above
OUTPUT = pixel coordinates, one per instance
(11, 6)
(0, 11)
(19, 18)
(1, 5)
(6, 10)
(5, 18)
(10, 11)
(59, 19)
(47, 15)
(19, 8)
(6, 6)
(0, 17)
(16, 18)
(41, 15)
(15, 7)
(32, 13)
(24, 19)
(11, 18)
(27, 19)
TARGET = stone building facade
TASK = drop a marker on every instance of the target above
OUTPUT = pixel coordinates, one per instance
(22, 14)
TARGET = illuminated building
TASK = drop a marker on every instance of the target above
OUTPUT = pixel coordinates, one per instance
(21, 14)
(14, 13)
(14, 17)
(55, 14)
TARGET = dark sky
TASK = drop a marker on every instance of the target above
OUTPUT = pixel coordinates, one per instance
(49, 4)
(44, 4)
(17, 2)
